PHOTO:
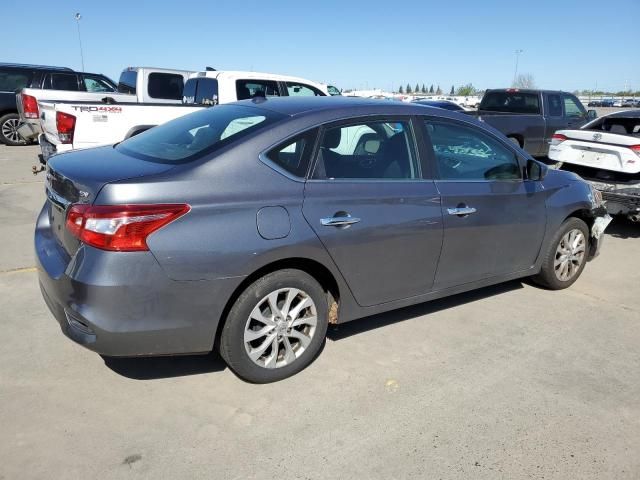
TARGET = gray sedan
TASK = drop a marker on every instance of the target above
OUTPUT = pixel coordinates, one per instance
(250, 227)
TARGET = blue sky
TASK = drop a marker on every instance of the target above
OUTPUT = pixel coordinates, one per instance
(353, 44)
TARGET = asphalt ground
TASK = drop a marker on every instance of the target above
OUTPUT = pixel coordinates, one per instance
(510, 381)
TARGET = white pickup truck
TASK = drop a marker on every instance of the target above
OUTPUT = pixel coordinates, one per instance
(136, 85)
(72, 125)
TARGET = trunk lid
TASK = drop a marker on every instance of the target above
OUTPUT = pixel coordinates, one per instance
(78, 177)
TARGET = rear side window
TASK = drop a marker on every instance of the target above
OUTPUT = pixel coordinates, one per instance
(165, 86)
(127, 82)
(12, 81)
(294, 155)
(246, 89)
(555, 105)
(511, 102)
(62, 81)
(201, 91)
(465, 153)
(194, 135)
(302, 90)
(377, 150)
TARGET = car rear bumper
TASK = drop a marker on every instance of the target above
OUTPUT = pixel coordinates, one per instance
(123, 304)
(29, 131)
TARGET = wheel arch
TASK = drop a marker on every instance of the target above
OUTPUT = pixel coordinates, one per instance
(317, 270)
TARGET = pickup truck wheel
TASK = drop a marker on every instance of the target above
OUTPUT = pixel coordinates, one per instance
(566, 255)
(276, 327)
(9, 130)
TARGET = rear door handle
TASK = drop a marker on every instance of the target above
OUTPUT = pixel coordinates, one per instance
(341, 221)
(461, 211)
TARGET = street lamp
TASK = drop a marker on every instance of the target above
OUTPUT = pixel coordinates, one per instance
(515, 73)
(78, 17)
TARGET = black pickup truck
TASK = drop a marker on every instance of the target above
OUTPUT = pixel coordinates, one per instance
(530, 117)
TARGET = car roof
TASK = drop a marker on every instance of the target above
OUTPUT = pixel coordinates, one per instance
(34, 67)
(343, 106)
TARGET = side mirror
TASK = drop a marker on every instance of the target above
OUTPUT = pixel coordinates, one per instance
(592, 114)
(536, 171)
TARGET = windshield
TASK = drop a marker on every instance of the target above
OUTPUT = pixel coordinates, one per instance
(189, 137)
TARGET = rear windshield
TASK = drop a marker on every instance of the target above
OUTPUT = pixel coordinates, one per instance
(10, 81)
(192, 136)
(127, 83)
(511, 102)
(201, 91)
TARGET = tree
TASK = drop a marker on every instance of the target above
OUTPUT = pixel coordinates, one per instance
(466, 90)
(438, 90)
(431, 89)
(453, 91)
(524, 80)
(417, 90)
(400, 89)
(424, 90)
(408, 90)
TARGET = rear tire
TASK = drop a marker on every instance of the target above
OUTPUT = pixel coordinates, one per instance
(566, 256)
(9, 130)
(276, 327)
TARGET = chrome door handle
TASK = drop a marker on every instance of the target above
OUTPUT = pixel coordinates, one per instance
(461, 211)
(343, 221)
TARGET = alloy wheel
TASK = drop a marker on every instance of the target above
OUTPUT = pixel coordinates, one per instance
(10, 130)
(570, 254)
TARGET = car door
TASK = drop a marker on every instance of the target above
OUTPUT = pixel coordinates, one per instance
(494, 220)
(378, 218)
(554, 116)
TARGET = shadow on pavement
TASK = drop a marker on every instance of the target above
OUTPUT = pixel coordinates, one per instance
(338, 332)
(622, 227)
(150, 368)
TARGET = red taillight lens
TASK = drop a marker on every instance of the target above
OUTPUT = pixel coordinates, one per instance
(66, 125)
(636, 149)
(122, 228)
(557, 138)
(30, 106)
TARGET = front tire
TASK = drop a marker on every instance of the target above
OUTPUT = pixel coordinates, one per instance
(276, 327)
(9, 135)
(566, 256)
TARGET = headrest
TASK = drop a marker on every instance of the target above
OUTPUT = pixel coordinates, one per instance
(332, 138)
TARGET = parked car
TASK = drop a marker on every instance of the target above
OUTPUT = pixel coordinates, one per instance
(530, 117)
(631, 102)
(136, 85)
(251, 226)
(446, 104)
(42, 81)
(605, 152)
(72, 125)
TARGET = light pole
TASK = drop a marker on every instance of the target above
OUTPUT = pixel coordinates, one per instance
(78, 17)
(515, 73)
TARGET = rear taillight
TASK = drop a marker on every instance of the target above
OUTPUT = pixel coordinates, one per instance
(30, 106)
(66, 125)
(557, 138)
(635, 149)
(122, 228)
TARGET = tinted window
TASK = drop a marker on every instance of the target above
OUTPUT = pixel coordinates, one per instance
(293, 155)
(465, 153)
(572, 107)
(513, 102)
(202, 91)
(127, 82)
(12, 81)
(166, 86)
(368, 150)
(554, 105)
(302, 90)
(189, 137)
(62, 81)
(256, 88)
(97, 84)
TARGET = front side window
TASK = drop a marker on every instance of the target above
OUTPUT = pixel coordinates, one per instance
(572, 107)
(165, 86)
(333, 91)
(465, 153)
(246, 89)
(368, 150)
(192, 136)
(301, 90)
(294, 155)
(12, 81)
(62, 81)
(97, 84)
